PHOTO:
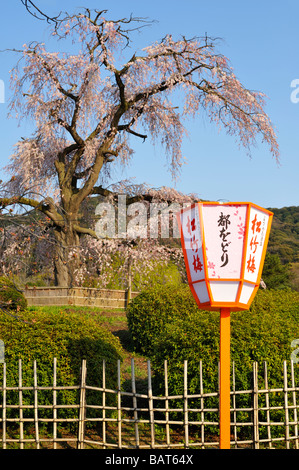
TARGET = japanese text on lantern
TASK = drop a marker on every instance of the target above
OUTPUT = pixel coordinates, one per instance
(191, 228)
(223, 222)
(255, 230)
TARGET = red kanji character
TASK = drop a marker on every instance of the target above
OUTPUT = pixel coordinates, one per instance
(197, 263)
(253, 244)
(193, 243)
(191, 226)
(251, 264)
(256, 225)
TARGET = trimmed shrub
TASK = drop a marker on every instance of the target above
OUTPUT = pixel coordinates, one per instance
(151, 311)
(42, 335)
(10, 296)
(169, 326)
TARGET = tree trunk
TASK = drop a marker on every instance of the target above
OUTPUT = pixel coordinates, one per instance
(67, 258)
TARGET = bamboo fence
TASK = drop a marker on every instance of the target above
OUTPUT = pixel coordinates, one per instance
(127, 419)
(80, 296)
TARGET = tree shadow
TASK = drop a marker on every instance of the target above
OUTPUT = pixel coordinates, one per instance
(125, 339)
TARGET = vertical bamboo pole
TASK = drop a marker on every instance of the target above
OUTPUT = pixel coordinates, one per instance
(255, 408)
(135, 403)
(286, 404)
(104, 404)
(224, 378)
(202, 415)
(21, 406)
(166, 404)
(186, 424)
(150, 405)
(267, 405)
(54, 404)
(119, 404)
(294, 404)
(4, 408)
(81, 426)
(36, 406)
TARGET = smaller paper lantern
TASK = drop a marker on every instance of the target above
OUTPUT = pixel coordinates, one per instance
(224, 246)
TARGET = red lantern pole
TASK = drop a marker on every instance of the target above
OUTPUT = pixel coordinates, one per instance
(224, 378)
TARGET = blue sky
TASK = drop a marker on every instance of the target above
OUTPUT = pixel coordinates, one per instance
(261, 40)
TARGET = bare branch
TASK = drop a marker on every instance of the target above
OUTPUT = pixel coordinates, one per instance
(46, 206)
(40, 15)
(126, 127)
(85, 231)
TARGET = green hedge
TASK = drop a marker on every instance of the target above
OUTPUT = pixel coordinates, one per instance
(167, 324)
(42, 335)
(167, 321)
(151, 311)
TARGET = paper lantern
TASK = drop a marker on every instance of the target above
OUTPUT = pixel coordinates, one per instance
(224, 246)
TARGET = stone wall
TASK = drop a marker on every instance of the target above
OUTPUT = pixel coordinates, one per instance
(79, 296)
